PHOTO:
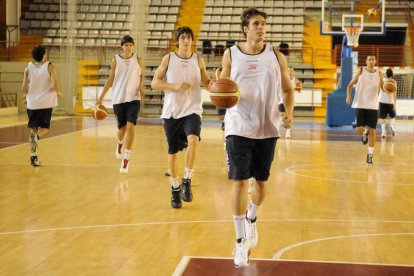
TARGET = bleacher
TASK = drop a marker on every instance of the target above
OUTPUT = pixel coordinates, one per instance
(221, 21)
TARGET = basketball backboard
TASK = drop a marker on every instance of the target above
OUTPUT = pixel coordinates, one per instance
(337, 15)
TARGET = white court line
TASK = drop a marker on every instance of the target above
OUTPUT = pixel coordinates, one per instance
(196, 222)
(347, 171)
(278, 255)
(289, 170)
(179, 270)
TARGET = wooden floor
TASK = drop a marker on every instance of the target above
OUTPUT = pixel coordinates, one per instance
(77, 215)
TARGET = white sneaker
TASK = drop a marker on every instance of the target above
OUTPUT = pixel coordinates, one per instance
(287, 133)
(383, 134)
(241, 253)
(118, 150)
(124, 166)
(251, 232)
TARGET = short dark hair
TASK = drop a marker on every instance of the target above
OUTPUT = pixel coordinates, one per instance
(389, 73)
(247, 14)
(127, 39)
(183, 30)
(284, 48)
(38, 53)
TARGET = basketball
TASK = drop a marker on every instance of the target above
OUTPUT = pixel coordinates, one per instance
(224, 93)
(389, 87)
(99, 112)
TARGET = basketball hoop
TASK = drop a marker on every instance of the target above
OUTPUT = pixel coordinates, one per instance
(352, 35)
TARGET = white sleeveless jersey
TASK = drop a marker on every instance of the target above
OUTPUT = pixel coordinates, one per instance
(256, 115)
(183, 103)
(366, 90)
(385, 97)
(125, 87)
(41, 91)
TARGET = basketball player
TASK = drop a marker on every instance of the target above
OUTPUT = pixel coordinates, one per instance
(367, 81)
(295, 83)
(180, 75)
(40, 90)
(252, 126)
(127, 84)
(387, 105)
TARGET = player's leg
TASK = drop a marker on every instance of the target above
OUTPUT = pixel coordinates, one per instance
(360, 125)
(371, 121)
(173, 132)
(239, 151)
(192, 129)
(392, 114)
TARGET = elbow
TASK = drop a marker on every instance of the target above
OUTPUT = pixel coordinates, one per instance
(154, 84)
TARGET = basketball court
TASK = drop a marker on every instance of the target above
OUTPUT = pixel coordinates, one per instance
(325, 210)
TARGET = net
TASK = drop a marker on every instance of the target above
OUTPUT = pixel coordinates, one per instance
(352, 35)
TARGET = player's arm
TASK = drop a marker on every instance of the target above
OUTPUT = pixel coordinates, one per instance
(288, 95)
(205, 77)
(25, 84)
(350, 85)
(381, 75)
(158, 82)
(141, 80)
(226, 65)
(109, 82)
(52, 72)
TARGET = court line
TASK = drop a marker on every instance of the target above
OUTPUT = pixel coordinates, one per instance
(179, 270)
(278, 255)
(194, 222)
(289, 170)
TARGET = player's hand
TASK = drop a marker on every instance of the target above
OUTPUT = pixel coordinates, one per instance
(59, 93)
(348, 100)
(181, 87)
(286, 120)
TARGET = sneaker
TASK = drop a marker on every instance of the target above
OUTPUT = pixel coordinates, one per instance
(365, 138)
(124, 166)
(369, 159)
(288, 134)
(186, 193)
(241, 253)
(34, 161)
(167, 173)
(251, 232)
(175, 198)
(118, 151)
(383, 134)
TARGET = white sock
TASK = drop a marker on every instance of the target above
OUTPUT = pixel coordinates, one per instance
(126, 154)
(33, 154)
(371, 150)
(251, 212)
(188, 173)
(392, 123)
(239, 226)
(383, 127)
(174, 182)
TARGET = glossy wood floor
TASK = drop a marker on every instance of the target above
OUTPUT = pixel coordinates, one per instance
(77, 215)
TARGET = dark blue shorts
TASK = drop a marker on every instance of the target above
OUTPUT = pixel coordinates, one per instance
(386, 109)
(127, 112)
(249, 157)
(366, 117)
(39, 117)
(177, 131)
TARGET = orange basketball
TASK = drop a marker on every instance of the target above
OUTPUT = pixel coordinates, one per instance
(99, 112)
(224, 93)
(389, 87)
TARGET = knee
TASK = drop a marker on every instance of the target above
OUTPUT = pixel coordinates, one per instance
(192, 140)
